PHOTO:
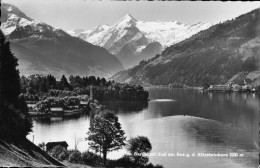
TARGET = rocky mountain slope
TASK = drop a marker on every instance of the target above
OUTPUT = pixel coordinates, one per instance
(44, 49)
(219, 54)
(132, 40)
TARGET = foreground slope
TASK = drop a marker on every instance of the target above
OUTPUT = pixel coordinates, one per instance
(216, 55)
(25, 154)
(42, 48)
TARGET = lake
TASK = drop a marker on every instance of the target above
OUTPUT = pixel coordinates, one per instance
(187, 128)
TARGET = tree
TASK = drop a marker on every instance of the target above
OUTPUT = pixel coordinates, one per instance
(205, 85)
(42, 145)
(105, 134)
(59, 152)
(14, 118)
(150, 165)
(64, 83)
(103, 82)
(98, 81)
(10, 80)
(77, 141)
(85, 81)
(138, 147)
(76, 81)
(75, 157)
(92, 80)
(30, 90)
(51, 82)
(43, 86)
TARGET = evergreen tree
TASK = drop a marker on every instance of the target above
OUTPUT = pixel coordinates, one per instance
(103, 82)
(14, 119)
(78, 82)
(72, 81)
(10, 80)
(92, 80)
(64, 83)
(43, 85)
(98, 81)
(51, 82)
(85, 81)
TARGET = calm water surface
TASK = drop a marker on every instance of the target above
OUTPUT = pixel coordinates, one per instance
(184, 121)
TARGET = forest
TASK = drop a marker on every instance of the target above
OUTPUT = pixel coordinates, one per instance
(37, 87)
(48, 92)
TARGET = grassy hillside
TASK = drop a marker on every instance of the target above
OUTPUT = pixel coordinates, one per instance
(212, 56)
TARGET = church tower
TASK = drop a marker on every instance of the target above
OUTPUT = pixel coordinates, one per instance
(91, 94)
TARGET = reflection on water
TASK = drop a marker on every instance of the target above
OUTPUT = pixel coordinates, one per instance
(53, 120)
(130, 106)
(177, 120)
(162, 100)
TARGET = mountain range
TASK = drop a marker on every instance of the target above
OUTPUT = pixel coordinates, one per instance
(132, 40)
(225, 52)
(44, 49)
(163, 52)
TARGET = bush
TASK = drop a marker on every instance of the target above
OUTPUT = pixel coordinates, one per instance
(89, 158)
(150, 165)
(75, 157)
(125, 161)
(70, 151)
(59, 152)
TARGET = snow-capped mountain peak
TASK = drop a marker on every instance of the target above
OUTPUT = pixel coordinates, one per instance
(127, 21)
(11, 9)
(128, 18)
(15, 21)
(101, 28)
(12, 22)
(129, 36)
(44, 49)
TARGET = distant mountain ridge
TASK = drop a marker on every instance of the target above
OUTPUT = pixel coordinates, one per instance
(222, 53)
(132, 40)
(44, 49)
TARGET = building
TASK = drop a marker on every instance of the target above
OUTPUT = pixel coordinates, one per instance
(220, 88)
(56, 109)
(236, 88)
(246, 88)
(51, 145)
(31, 105)
(83, 104)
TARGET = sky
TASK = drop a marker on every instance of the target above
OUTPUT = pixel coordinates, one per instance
(73, 14)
